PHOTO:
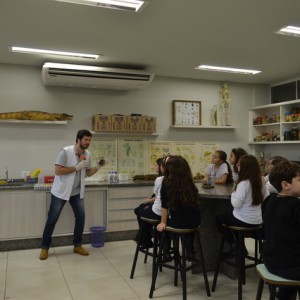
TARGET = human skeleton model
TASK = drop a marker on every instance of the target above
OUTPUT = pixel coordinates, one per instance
(225, 106)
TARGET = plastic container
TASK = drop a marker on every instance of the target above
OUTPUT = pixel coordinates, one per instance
(41, 179)
(48, 179)
(211, 180)
(97, 236)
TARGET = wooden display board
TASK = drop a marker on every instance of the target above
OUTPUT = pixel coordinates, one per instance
(186, 112)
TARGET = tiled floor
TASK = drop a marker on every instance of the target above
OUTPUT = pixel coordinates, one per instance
(102, 275)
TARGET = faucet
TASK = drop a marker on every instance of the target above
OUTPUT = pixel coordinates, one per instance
(6, 173)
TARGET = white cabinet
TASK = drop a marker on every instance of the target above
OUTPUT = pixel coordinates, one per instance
(121, 204)
(275, 123)
(95, 204)
(22, 214)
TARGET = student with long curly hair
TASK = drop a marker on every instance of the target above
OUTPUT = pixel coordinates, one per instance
(179, 198)
(246, 199)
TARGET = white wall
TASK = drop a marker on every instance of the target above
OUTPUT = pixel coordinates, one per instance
(27, 146)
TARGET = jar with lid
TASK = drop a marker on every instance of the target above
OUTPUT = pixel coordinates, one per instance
(287, 135)
(294, 134)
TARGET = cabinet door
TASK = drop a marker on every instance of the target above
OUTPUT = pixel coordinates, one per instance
(22, 214)
(95, 202)
(95, 208)
(121, 205)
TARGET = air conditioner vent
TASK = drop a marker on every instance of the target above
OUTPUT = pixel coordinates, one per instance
(94, 77)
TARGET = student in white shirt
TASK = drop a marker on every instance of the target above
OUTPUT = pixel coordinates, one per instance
(219, 169)
(151, 208)
(246, 199)
(272, 162)
(235, 155)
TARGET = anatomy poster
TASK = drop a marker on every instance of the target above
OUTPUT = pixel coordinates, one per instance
(106, 149)
(187, 150)
(205, 152)
(132, 156)
(155, 151)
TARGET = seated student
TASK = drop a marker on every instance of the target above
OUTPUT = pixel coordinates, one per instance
(179, 198)
(246, 200)
(235, 155)
(151, 208)
(281, 217)
(219, 168)
(272, 162)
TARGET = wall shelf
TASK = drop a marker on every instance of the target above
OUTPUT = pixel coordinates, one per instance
(274, 142)
(34, 122)
(122, 133)
(264, 125)
(203, 127)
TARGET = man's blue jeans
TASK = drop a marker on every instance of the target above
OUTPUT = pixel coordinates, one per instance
(55, 209)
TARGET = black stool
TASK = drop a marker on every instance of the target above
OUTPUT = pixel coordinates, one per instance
(140, 248)
(273, 281)
(240, 256)
(179, 258)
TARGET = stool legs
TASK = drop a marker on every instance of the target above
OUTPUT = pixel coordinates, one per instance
(177, 263)
(272, 292)
(137, 249)
(239, 261)
(183, 266)
(218, 265)
(156, 264)
(180, 264)
(145, 251)
(203, 264)
(260, 289)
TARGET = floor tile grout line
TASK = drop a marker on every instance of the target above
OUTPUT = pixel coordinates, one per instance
(5, 280)
(63, 273)
(120, 272)
(121, 276)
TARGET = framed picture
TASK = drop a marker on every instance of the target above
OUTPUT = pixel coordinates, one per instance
(186, 112)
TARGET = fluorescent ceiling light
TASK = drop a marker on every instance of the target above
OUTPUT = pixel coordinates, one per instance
(52, 52)
(290, 30)
(129, 5)
(228, 70)
(71, 67)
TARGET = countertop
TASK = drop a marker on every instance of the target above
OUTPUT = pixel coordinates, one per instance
(219, 191)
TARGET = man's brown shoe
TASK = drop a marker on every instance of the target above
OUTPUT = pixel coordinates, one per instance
(80, 250)
(44, 254)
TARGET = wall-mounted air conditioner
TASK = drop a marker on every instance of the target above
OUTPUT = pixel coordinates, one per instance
(57, 74)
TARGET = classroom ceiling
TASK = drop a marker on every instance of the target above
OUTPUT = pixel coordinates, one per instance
(168, 38)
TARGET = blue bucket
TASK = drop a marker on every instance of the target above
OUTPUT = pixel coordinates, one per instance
(97, 236)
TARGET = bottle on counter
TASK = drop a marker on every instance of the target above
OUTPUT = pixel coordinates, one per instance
(110, 177)
(116, 178)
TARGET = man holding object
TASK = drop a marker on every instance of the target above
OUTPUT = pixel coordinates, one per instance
(72, 165)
